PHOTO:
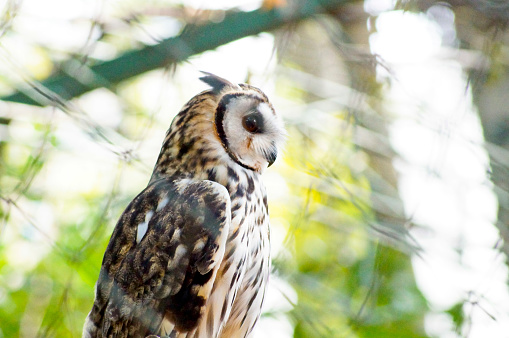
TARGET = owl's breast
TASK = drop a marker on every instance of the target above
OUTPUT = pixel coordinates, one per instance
(252, 218)
(239, 288)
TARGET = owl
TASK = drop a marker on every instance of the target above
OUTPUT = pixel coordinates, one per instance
(190, 255)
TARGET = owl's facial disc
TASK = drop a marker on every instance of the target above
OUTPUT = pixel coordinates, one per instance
(249, 129)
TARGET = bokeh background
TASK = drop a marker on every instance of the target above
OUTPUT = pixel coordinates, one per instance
(389, 206)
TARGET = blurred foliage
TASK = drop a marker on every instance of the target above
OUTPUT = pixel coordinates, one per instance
(346, 284)
(67, 172)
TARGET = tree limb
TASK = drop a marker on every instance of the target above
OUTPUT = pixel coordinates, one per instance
(193, 40)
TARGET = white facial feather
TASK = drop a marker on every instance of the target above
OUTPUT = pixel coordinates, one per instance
(253, 148)
(274, 131)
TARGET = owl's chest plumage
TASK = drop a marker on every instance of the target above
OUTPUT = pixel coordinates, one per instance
(242, 277)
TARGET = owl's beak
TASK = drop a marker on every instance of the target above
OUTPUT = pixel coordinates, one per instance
(271, 157)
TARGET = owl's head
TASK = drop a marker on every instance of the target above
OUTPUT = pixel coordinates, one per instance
(246, 123)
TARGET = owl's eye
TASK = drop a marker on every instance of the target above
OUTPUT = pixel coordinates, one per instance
(253, 123)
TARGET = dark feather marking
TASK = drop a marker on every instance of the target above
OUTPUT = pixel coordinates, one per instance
(181, 118)
(204, 160)
(232, 174)
(258, 275)
(198, 152)
(226, 267)
(223, 309)
(234, 234)
(240, 265)
(211, 174)
(239, 193)
(248, 307)
(242, 220)
(250, 185)
(185, 147)
(235, 208)
(230, 253)
(234, 278)
(164, 162)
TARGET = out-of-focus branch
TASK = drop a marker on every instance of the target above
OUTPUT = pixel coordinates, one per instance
(194, 39)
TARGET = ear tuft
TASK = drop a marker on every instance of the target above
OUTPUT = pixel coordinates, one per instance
(217, 83)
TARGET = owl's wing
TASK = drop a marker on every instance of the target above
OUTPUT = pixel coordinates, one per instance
(161, 260)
